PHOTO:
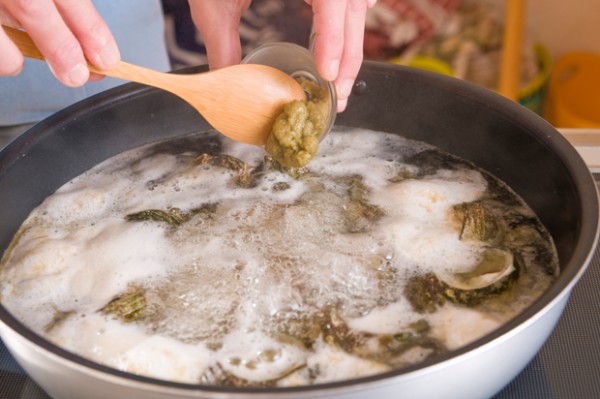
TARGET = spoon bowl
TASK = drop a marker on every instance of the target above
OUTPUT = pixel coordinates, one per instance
(240, 101)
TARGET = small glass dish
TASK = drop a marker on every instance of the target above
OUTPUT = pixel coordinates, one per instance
(297, 62)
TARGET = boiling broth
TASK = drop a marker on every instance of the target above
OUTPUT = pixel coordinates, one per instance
(200, 260)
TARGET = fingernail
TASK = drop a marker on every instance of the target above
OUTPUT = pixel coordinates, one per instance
(109, 56)
(78, 75)
(344, 88)
(341, 105)
(332, 70)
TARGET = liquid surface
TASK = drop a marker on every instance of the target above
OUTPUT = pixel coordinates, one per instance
(201, 261)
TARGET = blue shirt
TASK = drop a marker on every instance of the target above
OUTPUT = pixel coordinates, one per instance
(138, 27)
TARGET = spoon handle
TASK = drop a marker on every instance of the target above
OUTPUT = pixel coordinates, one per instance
(138, 74)
(241, 101)
(24, 43)
(122, 70)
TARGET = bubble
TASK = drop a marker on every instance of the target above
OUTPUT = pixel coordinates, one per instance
(263, 263)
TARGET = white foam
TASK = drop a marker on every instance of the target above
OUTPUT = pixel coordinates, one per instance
(263, 255)
(420, 225)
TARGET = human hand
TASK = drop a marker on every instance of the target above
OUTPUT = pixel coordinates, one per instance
(339, 27)
(221, 39)
(67, 32)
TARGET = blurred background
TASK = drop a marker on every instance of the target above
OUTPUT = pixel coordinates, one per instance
(557, 62)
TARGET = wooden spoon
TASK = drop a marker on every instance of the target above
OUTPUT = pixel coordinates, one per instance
(240, 101)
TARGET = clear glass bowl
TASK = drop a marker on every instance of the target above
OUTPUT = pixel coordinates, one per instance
(296, 61)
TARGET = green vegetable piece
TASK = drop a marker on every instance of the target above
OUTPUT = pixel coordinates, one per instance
(403, 336)
(173, 216)
(223, 161)
(57, 319)
(129, 306)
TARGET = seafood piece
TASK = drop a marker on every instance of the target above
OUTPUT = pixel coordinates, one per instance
(495, 264)
(280, 186)
(532, 242)
(359, 213)
(300, 329)
(425, 292)
(477, 223)
(217, 375)
(244, 177)
(493, 275)
(382, 348)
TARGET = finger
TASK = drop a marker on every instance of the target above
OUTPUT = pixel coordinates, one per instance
(222, 39)
(328, 24)
(53, 38)
(12, 59)
(352, 55)
(94, 77)
(94, 36)
(7, 19)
